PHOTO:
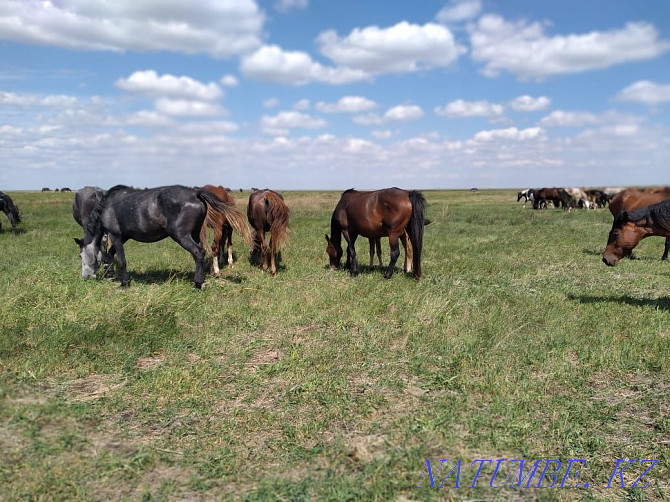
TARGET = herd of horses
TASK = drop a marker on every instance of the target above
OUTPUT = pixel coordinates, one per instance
(111, 217)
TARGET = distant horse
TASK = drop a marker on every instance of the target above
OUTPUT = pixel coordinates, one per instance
(223, 231)
(65, 189)
(632, 198)
(46, 189)
(391, 212)
(528, 195)
(268, 212)
(7, 206)
(150, 216)
(630, 227)
(573, 198)
(545, 195)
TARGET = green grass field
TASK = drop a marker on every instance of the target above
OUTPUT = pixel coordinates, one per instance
(518, 343)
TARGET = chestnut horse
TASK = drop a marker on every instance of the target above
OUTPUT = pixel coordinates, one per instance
(632, 198)
(630, 227)
(267, 212)
(391, 212)
(223, 232)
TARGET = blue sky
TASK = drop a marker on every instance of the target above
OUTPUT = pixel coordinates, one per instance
(309, 94)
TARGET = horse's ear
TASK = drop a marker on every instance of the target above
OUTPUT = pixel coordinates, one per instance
(79, 242)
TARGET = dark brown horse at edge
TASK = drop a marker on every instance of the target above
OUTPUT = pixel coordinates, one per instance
(223, 231)
(391, 212)
(632, 198)
(630, 227)
(7, 206)
(267, 212)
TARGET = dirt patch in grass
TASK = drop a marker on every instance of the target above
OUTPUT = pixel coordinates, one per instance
(147, 363)
(92, 387)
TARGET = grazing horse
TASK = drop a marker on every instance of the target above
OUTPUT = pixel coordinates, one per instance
(46, 189)
(223, 231)
(7, 206)
(267, 212)
(65, 189)
(545, 195)
(528, 195)
(82, 207)
(632, 198)
(150, 216)
(630, 227)
(391, 212)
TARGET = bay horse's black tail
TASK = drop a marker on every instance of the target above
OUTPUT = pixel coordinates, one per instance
(415, 229)
(277, 212)
(10, 210)
(236, 218)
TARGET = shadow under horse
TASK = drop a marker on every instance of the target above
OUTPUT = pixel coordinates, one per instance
(267, 212)
(392, 212)
(152, 215)
(630, 227)
(7, 206)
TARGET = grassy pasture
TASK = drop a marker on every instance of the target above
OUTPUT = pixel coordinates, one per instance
(517, 344)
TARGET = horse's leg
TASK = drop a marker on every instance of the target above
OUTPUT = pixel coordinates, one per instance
(404, 238)
(395, 252)
(273, 267)
(352, 259)
(228, 238)
(117, 248)
(371, 241)
(665, 251)
(216, 248)
(378, 243)
(264, 251)
(190, 243)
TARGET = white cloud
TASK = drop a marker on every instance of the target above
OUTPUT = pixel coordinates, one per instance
(560, 118)
(401, 48)
(462, 109)
(459, 11)
(220, 28)
(229, 81)
(404, 113)
(347, 104)
(511, 133)
(280, 124)
(645, 92)
(188, 108)
(527, 103)
(149, 118)
(208, 127)
(303, 104)
(34, 100)
(149, 83)
(368, 119)
(524, 50)
(382, 134)
(286, 5)
(271, 63)
(271, 103)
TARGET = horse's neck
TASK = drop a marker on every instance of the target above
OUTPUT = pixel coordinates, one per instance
(335, 234)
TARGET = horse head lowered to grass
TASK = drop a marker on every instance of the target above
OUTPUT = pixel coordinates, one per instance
(151, 215)
(630, 227)
(7, 206)
(391, 212)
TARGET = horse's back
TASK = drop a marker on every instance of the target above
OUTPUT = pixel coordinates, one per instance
(632, 199)
(373, 214)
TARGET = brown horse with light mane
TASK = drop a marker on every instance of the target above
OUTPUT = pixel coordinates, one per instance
(630, 227)
(267, 212)
(223, 231)
(391, 212)
(632, 198)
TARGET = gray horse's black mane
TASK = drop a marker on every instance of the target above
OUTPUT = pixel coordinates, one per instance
(94, 225)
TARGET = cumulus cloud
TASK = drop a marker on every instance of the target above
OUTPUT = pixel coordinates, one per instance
(280, 124)
(528, 103)
(188, 108)
(273, 64)
(459, 11)
(646, 93)
(303, 104)
(34, 100)
(220, 28)
(286, 5)
(151, 84)
(401, 48)
(523, 49)
(382, 134)
(463, 109)
(511, 133)
(347, 104)
(560, 118)
(404, 113)
(229, 81)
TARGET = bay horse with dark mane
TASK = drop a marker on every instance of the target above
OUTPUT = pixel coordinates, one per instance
(151, 215)
(7, 206)
(391, 212)
(223, 231)
(267, 212)
(630, 227)
(632, 198)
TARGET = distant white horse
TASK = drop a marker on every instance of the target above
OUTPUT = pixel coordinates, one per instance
(528, 195)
